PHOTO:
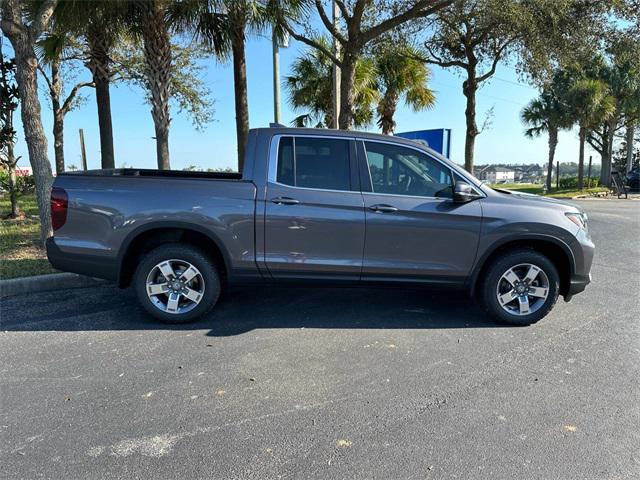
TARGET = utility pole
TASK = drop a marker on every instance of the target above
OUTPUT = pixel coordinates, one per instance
(558, 175)
(83, 150)
(589, 174)
(336, 69)
(276, 79)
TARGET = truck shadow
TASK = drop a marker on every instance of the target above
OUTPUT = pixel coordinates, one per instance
(243, 309)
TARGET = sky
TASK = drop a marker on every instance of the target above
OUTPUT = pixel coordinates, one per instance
(215, 146)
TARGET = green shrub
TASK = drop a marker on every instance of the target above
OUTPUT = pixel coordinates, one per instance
(571, 183)
(24, 185)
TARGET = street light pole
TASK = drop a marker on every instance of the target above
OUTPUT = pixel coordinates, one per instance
(276, 79)
(336, 70)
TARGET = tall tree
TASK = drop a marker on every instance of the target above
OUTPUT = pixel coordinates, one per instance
(309, 88)
(474, 36)
(51, 51)
(224, 25)
(8, 105)
(547, 113)
(188, 91)
(622, 75)
(591, 105)
(361, 22)
(23, 34)
(157, 53)
(400, 75)
(100, 24)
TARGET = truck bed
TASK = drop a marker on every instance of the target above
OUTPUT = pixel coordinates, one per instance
(107, 209)
(145, 172)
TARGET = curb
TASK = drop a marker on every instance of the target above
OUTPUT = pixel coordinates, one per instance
(44, 283)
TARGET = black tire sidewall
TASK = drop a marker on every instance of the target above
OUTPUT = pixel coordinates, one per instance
(495, 272)
(190, 254)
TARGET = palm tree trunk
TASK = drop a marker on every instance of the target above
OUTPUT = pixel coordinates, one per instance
(469, 89)
(553, 143)
(605, 170)
(99, 64)
(58, 118)
(240, 89)
(386, 111)
(604, 165)
(157, 54)
(35, 138)
(58, 141)
(629, 139)
(347, 80)
(582, 135)
(22, 39)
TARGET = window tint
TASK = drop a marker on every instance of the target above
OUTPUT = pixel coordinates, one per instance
(404, 171)
(314, 163)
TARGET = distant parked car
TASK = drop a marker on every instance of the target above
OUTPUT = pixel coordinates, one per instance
(633, 179)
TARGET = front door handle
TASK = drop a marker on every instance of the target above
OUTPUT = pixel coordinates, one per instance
(285, 201)
(383, 208)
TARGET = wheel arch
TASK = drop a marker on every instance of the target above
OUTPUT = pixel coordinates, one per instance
(148, 237)
(555, 249)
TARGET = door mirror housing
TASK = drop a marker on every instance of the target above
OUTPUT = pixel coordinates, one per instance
(463, 192)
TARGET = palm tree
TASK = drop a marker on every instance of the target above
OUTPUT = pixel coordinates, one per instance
(622, 75)
(363, 22)
(152, 19)
(310, 88)
(591, 105)
(99, 23)
(401, 74)
(225, 26)
(549, 114)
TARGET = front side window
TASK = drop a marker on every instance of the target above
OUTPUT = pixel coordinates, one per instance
(308, 162)
(403, 171)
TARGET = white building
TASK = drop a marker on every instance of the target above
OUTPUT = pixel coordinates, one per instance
(497, 175)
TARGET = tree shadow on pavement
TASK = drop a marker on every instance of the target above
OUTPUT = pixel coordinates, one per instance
(243, 309)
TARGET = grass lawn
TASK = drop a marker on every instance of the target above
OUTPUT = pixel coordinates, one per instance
(537, 190)
(20, 251)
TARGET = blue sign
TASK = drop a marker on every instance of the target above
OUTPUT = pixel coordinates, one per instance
(438, 139)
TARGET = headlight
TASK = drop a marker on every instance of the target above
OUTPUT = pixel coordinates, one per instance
(579, 218)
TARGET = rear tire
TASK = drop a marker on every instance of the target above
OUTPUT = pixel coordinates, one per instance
(520, 287)
(177, 283)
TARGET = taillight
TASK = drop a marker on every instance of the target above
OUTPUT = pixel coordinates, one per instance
(59, 204)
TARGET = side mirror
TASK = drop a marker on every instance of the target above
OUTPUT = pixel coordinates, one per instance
(463, 193)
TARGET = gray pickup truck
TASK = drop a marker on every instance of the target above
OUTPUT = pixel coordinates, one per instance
(322, 206)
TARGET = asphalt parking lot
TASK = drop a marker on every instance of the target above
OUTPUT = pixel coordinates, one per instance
(327, 383)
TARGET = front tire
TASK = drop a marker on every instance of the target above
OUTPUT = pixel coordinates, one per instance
(177, 283)
(520, 288)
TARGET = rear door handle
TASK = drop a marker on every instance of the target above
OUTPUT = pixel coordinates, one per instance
(285, 201)
(383, 208)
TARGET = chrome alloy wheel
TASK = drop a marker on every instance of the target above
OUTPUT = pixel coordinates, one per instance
(523, 289)
(175, 286)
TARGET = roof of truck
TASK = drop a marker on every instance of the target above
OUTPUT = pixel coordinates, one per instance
(339, 133)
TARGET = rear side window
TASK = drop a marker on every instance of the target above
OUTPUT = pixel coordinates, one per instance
(307, 162)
